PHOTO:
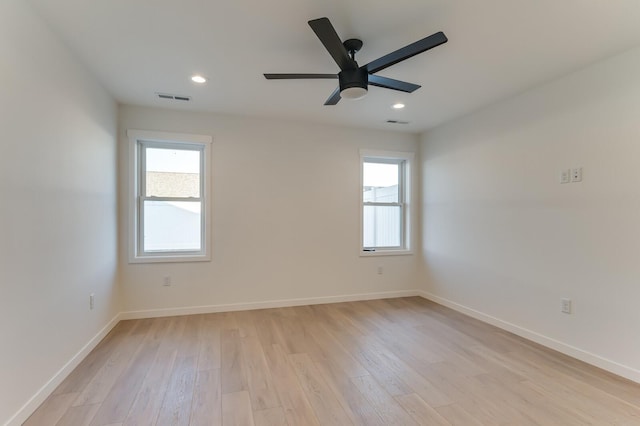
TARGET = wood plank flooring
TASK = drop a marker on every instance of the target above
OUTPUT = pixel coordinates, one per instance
(402, 361)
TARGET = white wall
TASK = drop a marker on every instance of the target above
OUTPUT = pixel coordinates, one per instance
(57, 208)
(503, 237)
(285, 215)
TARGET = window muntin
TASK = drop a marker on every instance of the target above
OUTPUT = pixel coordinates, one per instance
(384, 212)
(169, 214)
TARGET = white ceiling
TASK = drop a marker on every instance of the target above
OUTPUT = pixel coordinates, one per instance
(496, 48)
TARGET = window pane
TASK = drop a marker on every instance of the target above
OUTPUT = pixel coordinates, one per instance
(380, 182)
(172, 173)
(172, 226)
(381, 226)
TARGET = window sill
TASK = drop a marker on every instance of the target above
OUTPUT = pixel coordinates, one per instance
(385, 253)
(170, 259)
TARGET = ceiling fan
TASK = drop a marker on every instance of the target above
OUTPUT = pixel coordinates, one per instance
(353, 79)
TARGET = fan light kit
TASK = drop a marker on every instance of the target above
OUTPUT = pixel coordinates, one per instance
(354, 80)
(353, 93)
(198, 79)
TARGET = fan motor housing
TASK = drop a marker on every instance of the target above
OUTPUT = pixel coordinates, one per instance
(358, 77)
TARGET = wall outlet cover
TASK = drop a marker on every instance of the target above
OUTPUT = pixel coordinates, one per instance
(576, 174)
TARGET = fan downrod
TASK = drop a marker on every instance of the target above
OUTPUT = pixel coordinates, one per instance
(352, 45)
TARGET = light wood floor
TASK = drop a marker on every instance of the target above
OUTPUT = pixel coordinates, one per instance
(398, 361)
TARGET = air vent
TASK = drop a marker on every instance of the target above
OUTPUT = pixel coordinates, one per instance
(397, 122)
(173, 97)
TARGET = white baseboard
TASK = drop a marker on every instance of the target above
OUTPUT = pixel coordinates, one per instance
(30, 406)
(209, 309)
(582, 355)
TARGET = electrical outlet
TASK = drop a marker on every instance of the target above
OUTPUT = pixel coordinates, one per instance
(565, 176)
(566, 306)
(380, 270)
(166, 281)
(576, 174)
(92, 298)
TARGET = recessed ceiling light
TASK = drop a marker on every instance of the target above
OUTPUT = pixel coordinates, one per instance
(198, 79)
(398, 106)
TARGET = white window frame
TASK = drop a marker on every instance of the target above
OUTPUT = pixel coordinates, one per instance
(138, 139)
(404, 159)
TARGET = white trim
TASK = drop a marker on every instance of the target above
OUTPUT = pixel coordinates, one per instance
(283, 303)
(133, 232)
(385, 253)
(577, 353)
(170, 259)
(155, 136)
(377, 153)
(43, 393)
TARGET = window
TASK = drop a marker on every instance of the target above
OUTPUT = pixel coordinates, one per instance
(169, 197)
(384, 201)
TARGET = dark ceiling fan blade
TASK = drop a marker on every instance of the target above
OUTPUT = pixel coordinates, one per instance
(334, 98)
(329, 38)
(390, 83)
(297, 76)
(407, 52)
